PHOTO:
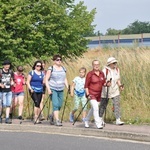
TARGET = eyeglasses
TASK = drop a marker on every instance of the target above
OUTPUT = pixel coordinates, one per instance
(38, 66)
(58, 59)
(115, 63)
(20, 70)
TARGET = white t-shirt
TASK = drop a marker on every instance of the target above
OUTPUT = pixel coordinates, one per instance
(79, 84)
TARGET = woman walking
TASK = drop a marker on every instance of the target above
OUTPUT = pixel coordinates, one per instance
(18, 91)
(55, 83)
(35, 81)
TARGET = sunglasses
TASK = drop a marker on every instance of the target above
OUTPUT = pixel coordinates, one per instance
(58, 59)
(20, 70)
(115, 63)
(38, 66)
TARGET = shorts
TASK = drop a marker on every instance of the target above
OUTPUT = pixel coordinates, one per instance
(78, 100)
(16, 94)
(7, 99)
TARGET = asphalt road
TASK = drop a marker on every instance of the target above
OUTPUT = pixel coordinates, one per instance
(42, 141)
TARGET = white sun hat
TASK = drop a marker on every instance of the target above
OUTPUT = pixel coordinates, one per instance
(111, 60)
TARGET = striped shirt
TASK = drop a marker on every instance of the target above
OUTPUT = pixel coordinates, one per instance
(57, 79)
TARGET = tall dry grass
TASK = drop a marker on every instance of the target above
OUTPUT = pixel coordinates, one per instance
(134, 64)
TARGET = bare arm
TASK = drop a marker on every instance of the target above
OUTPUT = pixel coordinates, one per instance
(66, 83)
(28, 83)
(47, 77)
(72, 89)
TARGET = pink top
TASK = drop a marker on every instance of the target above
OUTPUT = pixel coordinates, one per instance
(19, 81)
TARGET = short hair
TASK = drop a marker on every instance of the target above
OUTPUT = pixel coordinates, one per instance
(57, 56)
(35, 63)
(94, 61)
(20, 68)
(82, 68)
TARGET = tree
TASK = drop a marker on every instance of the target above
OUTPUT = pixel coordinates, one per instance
(42, 28)
(112, 31)
(137, 27)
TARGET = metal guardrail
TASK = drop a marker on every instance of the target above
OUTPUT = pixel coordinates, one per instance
(117, 37)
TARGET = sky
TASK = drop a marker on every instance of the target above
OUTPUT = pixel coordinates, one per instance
(118, 14)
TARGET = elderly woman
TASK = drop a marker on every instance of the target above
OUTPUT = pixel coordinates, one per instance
(94, 82)
(113, 92)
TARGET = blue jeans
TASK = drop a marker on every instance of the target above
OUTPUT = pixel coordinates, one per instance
(7, 99)
(0, 99)
(57, 99)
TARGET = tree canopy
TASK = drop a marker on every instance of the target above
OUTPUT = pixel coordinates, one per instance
(136, 27)
(42, 28)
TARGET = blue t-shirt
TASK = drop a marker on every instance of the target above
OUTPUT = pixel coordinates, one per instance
(36, 81)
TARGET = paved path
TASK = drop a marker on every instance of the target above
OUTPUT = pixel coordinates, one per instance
(128, 132)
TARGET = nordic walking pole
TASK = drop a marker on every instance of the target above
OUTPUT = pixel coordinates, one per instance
(41, 110)
(1, 109)
(80, 112)
(107, 99)
(32, 108)
(68, 92)
(48, 109)
(28, 104)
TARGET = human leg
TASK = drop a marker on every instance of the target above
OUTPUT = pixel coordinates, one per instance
(95, 106)
(84, 101)
(89, 115)
(116, 104)
(1, 109)
(56, 103)
(41, 107)
(20, 101)
(7, 99)
(76, 106)
(37, 100)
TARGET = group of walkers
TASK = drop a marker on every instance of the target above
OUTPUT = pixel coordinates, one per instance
(96, 87)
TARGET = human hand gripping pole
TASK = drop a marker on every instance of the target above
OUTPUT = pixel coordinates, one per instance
(68, 92)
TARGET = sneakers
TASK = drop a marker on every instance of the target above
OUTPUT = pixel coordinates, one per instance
(100, 126)
(71, 117)
(42, 118)
(58, 123)
(102, 122)
(119, 122)
(8, 121)
(37, 121)
(51, 118)
(20, 118)
(86, 124)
